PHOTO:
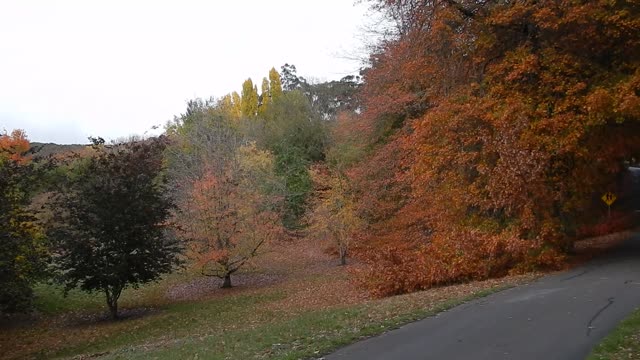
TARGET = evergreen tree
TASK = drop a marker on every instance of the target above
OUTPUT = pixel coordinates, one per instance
(290, 79)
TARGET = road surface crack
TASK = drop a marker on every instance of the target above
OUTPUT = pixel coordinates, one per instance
(589, 325)
(577, 275)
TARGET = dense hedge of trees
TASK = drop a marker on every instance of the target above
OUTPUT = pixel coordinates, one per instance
(493, 124)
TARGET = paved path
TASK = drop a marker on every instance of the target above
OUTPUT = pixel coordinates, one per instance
(557, 317)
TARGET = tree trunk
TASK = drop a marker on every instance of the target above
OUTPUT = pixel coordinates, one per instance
(113, 295)
(113, 308)
(227, 282)
(112, 303)
(343, 256)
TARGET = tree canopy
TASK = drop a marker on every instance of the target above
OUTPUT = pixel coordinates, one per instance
(111, 225)
(228, 195)
(495, 122)
(24, 252)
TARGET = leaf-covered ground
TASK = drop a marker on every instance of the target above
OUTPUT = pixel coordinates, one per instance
(294, 302)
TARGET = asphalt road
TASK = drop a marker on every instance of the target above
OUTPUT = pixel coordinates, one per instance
(562, 316)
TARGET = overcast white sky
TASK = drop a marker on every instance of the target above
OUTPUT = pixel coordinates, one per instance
(70, 69)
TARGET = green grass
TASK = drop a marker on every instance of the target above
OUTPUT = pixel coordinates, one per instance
(245, 324)
(177, 321)
(50, 298)
(622, 343)
(239, 328)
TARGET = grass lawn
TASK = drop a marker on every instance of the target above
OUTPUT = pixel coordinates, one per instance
(293, 303)
(622, 343)
(278, 321)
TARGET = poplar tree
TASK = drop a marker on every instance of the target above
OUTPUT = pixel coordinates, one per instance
(236, 100)
(265, 97)
(249, 104)
(275, 84)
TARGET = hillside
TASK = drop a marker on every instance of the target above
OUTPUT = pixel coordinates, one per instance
(47, 149)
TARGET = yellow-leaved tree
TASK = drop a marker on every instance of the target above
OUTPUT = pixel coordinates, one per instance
(334, 215)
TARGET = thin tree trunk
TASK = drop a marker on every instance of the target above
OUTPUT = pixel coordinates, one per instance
(112, 303)
(113, 295)
(227, 282)
(343, 256)
(113, 308)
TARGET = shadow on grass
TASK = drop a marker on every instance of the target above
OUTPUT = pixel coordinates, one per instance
(104, 318)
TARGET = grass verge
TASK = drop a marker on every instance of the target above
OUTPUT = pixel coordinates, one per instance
(622, 343)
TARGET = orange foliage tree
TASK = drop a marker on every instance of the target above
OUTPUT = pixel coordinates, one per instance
(230, 214)
(14, 146)
(495, 122)
(229, 197)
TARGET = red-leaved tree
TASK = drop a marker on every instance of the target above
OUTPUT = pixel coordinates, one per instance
(493, 124)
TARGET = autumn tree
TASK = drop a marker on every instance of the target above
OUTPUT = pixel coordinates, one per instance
(24, 251)
(498, 121)
(14, 146)
(249, 102)
(347, 142)
(334, 213)
(265, 97)
(237, 104)
(229, 197)
(231, 104)
(271, 90)
(111, 221)
(275, 84)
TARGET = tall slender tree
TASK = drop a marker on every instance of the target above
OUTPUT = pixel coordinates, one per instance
(265, 97)
(236, 100)
(275, 84)
(249, 103)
